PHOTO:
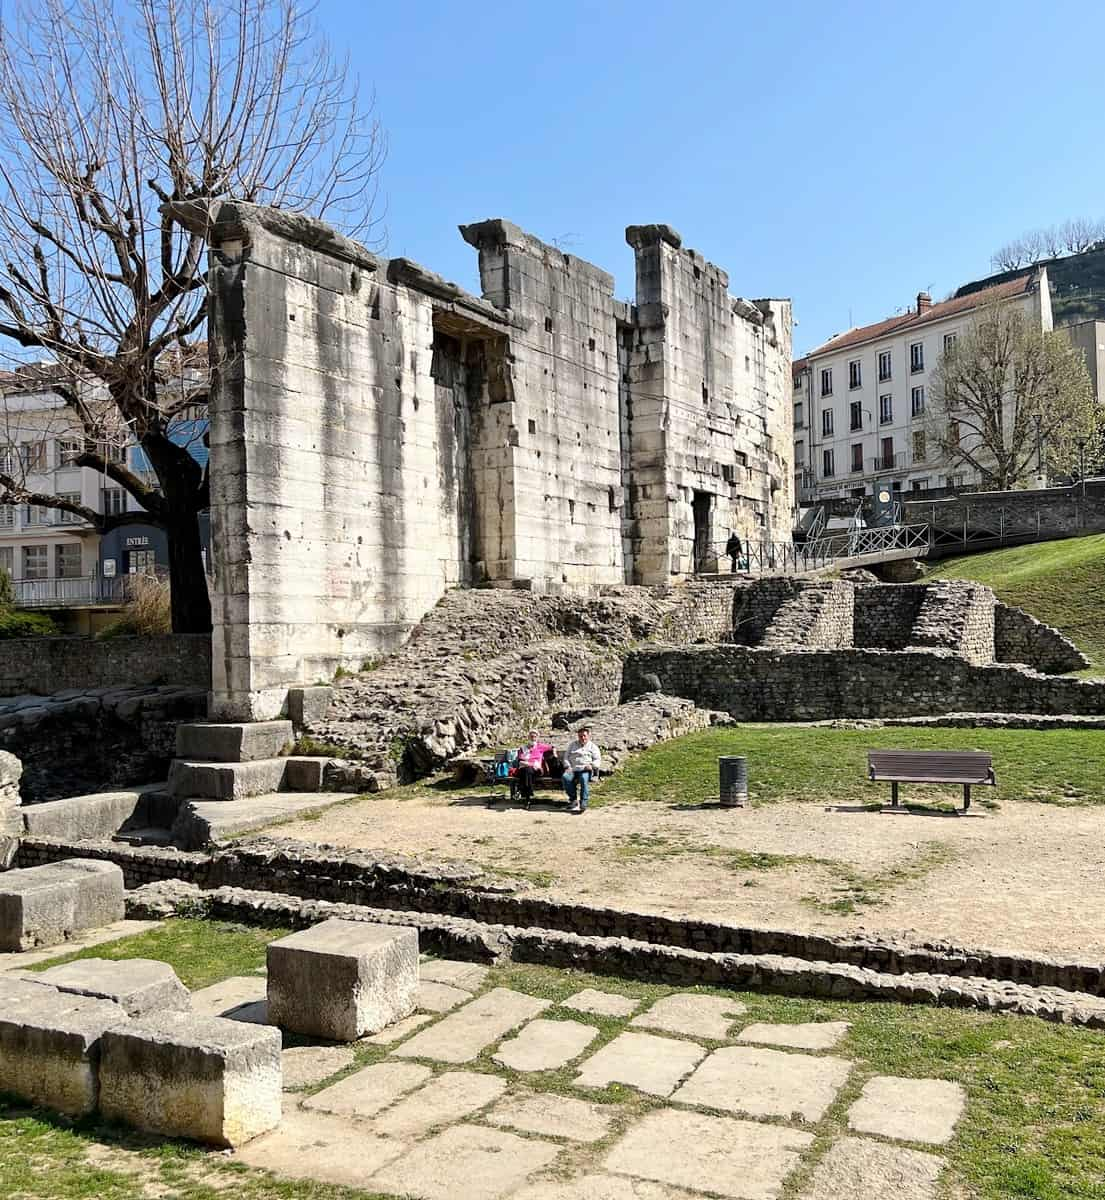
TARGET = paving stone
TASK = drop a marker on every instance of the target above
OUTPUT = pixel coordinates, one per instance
(312, 1145)
(814, 1035)
(543, 1045)
(448, 1098)
(695, 1016)
(439, 997)
(859, 1167)
(603, 1187)
(719, 1155)
(304, 1066)
(766, 1083)
(466, 1162)
(604, 1004)
(641, 1060)
(138, 985)
(398, 1031)
(462, 1035)
(221, 998)
(469, 976)
(554, 1116)
(367, 1092)
(911, 1110)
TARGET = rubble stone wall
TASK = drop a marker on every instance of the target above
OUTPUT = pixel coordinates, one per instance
(819, 617)
(885, 614)
(957, 616)
(1020, 638)
(45, 666)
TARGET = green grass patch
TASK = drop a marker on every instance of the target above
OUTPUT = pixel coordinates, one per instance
(829, 766)
(1061, 583)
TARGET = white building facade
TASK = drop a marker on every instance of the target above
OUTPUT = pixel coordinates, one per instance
(869, 391)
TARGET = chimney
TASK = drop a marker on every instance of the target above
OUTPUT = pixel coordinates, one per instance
(924, 302)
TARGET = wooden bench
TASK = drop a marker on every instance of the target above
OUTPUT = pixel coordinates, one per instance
(967, 768)
(543, 783)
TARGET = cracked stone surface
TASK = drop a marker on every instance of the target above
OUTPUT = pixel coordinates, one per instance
(553, 1116)
(544, 1045)
(604, 1004)
(603, 1187)
(466, 1161)
(439, 997)
(695, 1016)
(464, 1033)
(304, 1066)
(449, 1097)
(814, 1035)
(222, 998)
(469, 976)
(641, 1060)
(739, 1159)
(398, 1031)
(860, 1167)
(910, 1110)
(766, 1083)
(370, 1091)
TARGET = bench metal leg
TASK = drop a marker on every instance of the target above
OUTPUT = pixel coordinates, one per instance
(894, 794)
(966, 796)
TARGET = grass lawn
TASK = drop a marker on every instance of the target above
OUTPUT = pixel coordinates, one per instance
(1061, 583)
(827, 765)
(1034, 1125)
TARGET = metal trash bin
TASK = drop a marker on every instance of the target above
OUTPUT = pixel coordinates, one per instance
(733, 780)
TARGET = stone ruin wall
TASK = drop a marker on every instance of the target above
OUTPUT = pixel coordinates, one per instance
(379, 436)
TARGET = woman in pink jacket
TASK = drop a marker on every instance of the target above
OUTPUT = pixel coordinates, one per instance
(530, 765)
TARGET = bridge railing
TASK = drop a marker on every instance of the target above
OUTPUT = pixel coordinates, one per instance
(781, 558)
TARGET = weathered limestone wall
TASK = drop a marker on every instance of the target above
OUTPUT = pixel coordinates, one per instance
(885, 614)
(818, 617)
(957, 616)
(1020, 638)
(44, 666)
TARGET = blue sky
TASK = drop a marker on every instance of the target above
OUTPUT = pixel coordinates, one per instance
(846, 155)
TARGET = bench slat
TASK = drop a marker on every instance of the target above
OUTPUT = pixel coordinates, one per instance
(931, 766)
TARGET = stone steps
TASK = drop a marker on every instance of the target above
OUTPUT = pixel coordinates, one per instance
(202, 823)
(234, 742)
(240, 780)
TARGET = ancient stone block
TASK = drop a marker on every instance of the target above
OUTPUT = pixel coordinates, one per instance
(861, 1167)
(691, 1014)
(543, 1045)
(226, 781)
(343, 979)
(641, 1060)
(811, 1035)
(604, 1004)
(41, 906)
(369, 1091)
(137, 985)
(464, 1033)
(549, 1115)
(233, 742)
(205, 1078)
(307, 705)
(445, 1099)
(912, 1110)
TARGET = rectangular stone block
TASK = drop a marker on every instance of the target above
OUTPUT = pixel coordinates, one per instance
(308, 704)
(50, 1045)
(238, 742)
(226, 781)
(304, 774)
(205, 1078)
(343, 979)
(137, 985)
(41, 906)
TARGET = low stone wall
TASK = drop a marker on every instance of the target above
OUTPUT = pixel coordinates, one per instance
(814, 685)
(44, 666)
(1057, 511)
(885, 614)
(957, 616)
(818, 617)
(1020, 638)
(78, 742)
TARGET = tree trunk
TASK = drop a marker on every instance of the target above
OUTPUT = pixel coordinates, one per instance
(191, 604)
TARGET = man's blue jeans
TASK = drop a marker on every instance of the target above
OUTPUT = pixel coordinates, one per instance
(578, 781)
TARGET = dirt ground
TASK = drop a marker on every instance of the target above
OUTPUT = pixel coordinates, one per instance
(1024, 877)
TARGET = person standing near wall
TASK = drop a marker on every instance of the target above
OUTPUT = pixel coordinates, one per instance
(734, 549)
(582, 760)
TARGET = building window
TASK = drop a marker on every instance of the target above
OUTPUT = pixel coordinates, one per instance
(856, 415)
(112, 452)
(855, 374)
(827, 381)
(35, 514)
(798, 416)
(827, 422)
(32, 456)
(65, 517)
(67, 560)
(6, 557)
(886, 409)
(887, 457)
(7, 516)
(884, 365)
(917, 401)
(949, 341)
(69, 450)
(799, 452)
(113, 501)
(36, 562)
(917, 357)
(857, 456)
(919, 485)
(953, 433)
(919, 446)
(827, 469)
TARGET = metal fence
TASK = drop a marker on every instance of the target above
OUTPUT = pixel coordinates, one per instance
(782, 558)
(81, 591)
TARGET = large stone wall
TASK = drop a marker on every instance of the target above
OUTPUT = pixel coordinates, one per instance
(957, 616)
(1047, 511)
(44, 666)
(379, 436)
(1020, 638)
(819, 616)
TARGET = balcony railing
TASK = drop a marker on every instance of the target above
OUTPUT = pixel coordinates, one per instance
(887, 462)
(79, 591)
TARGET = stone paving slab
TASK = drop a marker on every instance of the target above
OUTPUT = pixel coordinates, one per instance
(813, 1035)
(439, 997)
(550, 1115)
(544, 1045)
(138, 985)
(220, 998)
(466, 1162)
(398, 1031)
(603, 1004)
(461, 1036)
(860, 1167)
(725, 1157)
(304, 1066)
(469, 976)
(693, 1015)
(766, 1083)
(448, 1098)
(312, 1145)
(604, 1187)
(369, 1091)
(18, 960)
(641, 1060)
(910, 1110)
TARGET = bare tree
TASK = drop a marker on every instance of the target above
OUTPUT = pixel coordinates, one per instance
(111, 112)
(1003, 385)
(1071, 236)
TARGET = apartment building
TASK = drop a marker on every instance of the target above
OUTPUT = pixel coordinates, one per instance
(869, 391)
(802, 377)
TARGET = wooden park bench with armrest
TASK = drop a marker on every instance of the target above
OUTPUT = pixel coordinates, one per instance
(543, 783)
(966, 768)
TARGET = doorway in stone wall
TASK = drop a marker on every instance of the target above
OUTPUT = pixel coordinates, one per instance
(701, 506)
